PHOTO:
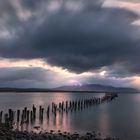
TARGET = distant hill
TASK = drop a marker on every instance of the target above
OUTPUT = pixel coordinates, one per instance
(96, 88)
(7, 89)
(82, 88)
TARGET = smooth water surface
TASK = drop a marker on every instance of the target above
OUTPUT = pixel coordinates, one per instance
(119, 118)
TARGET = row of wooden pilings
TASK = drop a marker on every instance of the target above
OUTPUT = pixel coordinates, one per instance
(27, 116)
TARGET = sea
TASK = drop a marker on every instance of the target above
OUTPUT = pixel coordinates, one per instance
(118, 118)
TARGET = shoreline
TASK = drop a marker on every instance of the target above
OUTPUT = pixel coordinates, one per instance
(9, 134)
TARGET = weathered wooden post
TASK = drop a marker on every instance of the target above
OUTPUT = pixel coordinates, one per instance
(48, 112)
(1, 116)
(28, 113)
(34, 112)
(18, 115)
(31, 117)
(6, 118)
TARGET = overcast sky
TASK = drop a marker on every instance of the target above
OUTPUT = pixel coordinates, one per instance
(48, 43)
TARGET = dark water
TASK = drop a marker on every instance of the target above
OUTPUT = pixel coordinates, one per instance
(119, 118)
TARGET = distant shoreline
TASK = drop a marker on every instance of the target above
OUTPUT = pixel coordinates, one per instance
(49, 90)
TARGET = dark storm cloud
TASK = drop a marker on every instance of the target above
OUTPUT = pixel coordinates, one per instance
(87, 39)
(8, 16)
(32, 4)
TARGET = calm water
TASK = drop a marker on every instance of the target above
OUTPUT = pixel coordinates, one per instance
(120, 118)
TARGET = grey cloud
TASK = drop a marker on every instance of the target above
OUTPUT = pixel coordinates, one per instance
(12, 74)
(120, 82)
(28, 78)
(24, 77)
(8, 16)
(133, 1)
(80, 41)
(32, 4)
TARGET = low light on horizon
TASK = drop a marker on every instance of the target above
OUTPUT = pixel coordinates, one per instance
(103, 73)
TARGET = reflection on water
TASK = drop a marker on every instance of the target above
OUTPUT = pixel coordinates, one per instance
(62, 108)
(104, 124)
(120, 118)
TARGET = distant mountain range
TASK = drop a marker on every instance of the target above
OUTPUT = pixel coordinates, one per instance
(82, 88)
(96, 88)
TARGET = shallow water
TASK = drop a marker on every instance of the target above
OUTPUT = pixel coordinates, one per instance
(119, 118)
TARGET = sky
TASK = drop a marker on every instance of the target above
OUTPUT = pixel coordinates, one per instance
(49, 43)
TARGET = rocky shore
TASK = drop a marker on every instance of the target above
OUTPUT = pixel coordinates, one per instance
(9, 134)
